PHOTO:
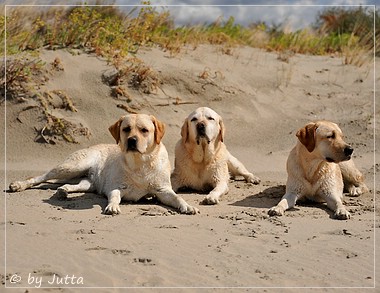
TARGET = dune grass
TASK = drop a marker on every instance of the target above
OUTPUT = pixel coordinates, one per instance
(116, 35)
(108, 31)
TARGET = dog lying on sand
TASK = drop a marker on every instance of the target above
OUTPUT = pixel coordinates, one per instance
(319, 167)
(135, 167)
(202, 161)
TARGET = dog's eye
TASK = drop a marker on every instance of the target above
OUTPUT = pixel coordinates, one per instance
(127, 129)
(144, 130)
(210, 118)
(194, 119)
(332, 136)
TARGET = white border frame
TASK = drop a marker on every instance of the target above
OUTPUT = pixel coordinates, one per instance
(184, 5)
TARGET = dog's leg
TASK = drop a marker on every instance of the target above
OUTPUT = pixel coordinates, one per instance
(83, 186)
(75, 165)
(288, 201)
(175, 182)
(337, 206)
(236, 168)
(213, 197)
(22, 185)
(168, 197)
(334, 203)
(353, 179)
(114, 199)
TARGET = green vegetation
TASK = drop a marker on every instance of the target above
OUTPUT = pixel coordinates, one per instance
(360, 27)
(107, 31)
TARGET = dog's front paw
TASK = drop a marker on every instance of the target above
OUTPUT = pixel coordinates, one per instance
(253, 179)
(17, 186)
(357, 190)
(112, 209)
(210, 200)
(342, 214)
(276, 211)
(188, 209)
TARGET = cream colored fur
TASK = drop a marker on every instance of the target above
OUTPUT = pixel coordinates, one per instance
(136, 167)
(319, 167)
(202, 161)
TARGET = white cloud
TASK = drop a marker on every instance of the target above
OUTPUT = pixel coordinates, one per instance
(195, 14)
(293, 14)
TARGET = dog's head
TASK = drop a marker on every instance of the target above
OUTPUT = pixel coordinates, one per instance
(325, 139)
(203, 125)
(137, 132)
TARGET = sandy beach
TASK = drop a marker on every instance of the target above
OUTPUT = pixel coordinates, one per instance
(230, 246)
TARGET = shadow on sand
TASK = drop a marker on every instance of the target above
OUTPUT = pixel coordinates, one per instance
(271, 197)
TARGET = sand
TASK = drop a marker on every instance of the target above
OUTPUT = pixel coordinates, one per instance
(263, 101)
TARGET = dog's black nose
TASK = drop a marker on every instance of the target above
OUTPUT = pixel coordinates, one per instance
(132, 143)
(201, 128)
(348, 151)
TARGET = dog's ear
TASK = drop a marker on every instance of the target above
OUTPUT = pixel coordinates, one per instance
(115, 130)
(221, 129)
(185, 130)
(306, 136)
(159, 129)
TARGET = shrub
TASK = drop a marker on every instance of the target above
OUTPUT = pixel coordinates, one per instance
(109, 32)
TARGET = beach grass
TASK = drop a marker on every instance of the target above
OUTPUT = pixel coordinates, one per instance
(116, 35)
(108, 31)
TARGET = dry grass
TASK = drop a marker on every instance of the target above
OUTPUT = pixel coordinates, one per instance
(108, 32)
(359, 51)
(19, 76)
(58, 128)
(139, 76)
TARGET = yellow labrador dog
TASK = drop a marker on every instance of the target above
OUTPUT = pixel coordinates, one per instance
(319, 167)
(136, 167)
(202, 161)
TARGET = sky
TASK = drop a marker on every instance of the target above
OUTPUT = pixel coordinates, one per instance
(293, 14)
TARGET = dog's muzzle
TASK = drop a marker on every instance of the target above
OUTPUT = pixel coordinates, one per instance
(201, 129)
(348, 150)
(201, 132)
(132, 143)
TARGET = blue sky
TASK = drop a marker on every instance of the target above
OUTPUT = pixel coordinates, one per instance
(294, 14)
